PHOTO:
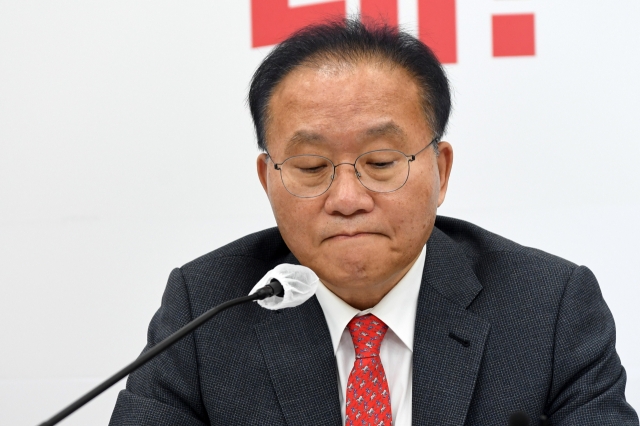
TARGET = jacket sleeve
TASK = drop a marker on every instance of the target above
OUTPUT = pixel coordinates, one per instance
(588, 380)
(166, 390)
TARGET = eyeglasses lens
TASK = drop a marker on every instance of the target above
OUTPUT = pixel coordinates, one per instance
(309, 176)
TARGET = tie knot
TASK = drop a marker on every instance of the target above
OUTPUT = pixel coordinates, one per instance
(367, 333)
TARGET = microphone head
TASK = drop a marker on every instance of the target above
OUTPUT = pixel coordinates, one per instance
(518, 418)
(278, 290)
(298, 282)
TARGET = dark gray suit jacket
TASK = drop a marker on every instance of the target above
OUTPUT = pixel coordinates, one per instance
(539, 338)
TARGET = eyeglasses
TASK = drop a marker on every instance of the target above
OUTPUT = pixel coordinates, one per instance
(383, 170)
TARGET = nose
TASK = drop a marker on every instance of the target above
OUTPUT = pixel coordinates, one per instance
(347, 196)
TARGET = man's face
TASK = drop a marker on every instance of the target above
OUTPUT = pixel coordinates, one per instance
(357, 241)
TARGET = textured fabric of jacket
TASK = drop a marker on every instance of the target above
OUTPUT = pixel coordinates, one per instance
(530, 331)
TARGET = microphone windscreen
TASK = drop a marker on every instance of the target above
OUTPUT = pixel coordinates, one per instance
(299, 283)
(518, 419)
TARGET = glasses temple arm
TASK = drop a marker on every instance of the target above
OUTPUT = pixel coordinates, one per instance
(413, 157)
(275, 165)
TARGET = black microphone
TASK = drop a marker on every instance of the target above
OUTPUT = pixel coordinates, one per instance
(274, 288)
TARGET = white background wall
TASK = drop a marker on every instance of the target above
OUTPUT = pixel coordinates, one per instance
(126, 149)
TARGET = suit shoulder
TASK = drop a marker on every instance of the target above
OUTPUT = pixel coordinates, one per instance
(478, 243)
(266, 246)
(233, 269)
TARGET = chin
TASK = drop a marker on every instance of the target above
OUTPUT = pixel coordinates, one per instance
(351, 267)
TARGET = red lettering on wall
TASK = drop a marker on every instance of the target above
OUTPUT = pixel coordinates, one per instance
(437, 28)
(379, 11)
(273, 20)
(514, 35)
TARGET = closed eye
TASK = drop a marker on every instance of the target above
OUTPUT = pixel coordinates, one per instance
(311, 169)
(382, 165)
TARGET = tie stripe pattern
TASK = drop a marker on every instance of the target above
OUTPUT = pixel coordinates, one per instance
(367, 400)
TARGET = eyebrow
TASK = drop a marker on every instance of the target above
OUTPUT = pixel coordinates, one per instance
(303, 136)
(385, 129)
(308, 137)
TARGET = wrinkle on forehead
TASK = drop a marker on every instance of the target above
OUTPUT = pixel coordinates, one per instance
(331, 64)
(334, 67)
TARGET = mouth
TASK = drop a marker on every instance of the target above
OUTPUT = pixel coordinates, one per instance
(351, 235)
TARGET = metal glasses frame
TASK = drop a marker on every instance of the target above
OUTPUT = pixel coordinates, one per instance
(410, 158)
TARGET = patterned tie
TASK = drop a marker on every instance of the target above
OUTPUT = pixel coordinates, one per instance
(368, 402)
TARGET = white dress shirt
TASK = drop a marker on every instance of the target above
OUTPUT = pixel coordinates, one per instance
(398, 310)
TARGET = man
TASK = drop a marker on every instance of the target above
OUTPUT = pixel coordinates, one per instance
(418, 320)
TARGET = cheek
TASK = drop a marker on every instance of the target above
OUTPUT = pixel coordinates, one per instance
(408, 217)
(294, 217)
(414, 211)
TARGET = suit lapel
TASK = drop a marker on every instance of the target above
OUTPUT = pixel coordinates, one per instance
(297, 349)
(449, 339)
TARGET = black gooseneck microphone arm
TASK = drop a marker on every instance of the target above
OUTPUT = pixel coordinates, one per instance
(274, 288)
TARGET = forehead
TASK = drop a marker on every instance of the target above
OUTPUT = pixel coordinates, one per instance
(337, 101)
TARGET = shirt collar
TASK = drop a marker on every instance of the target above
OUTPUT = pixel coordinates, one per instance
(397, 308)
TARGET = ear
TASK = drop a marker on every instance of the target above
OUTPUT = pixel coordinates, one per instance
(262, 164)
(445, 162)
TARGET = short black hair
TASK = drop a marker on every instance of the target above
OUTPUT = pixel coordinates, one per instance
(350, 40)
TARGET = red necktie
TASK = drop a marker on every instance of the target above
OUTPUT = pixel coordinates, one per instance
(368, 402)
